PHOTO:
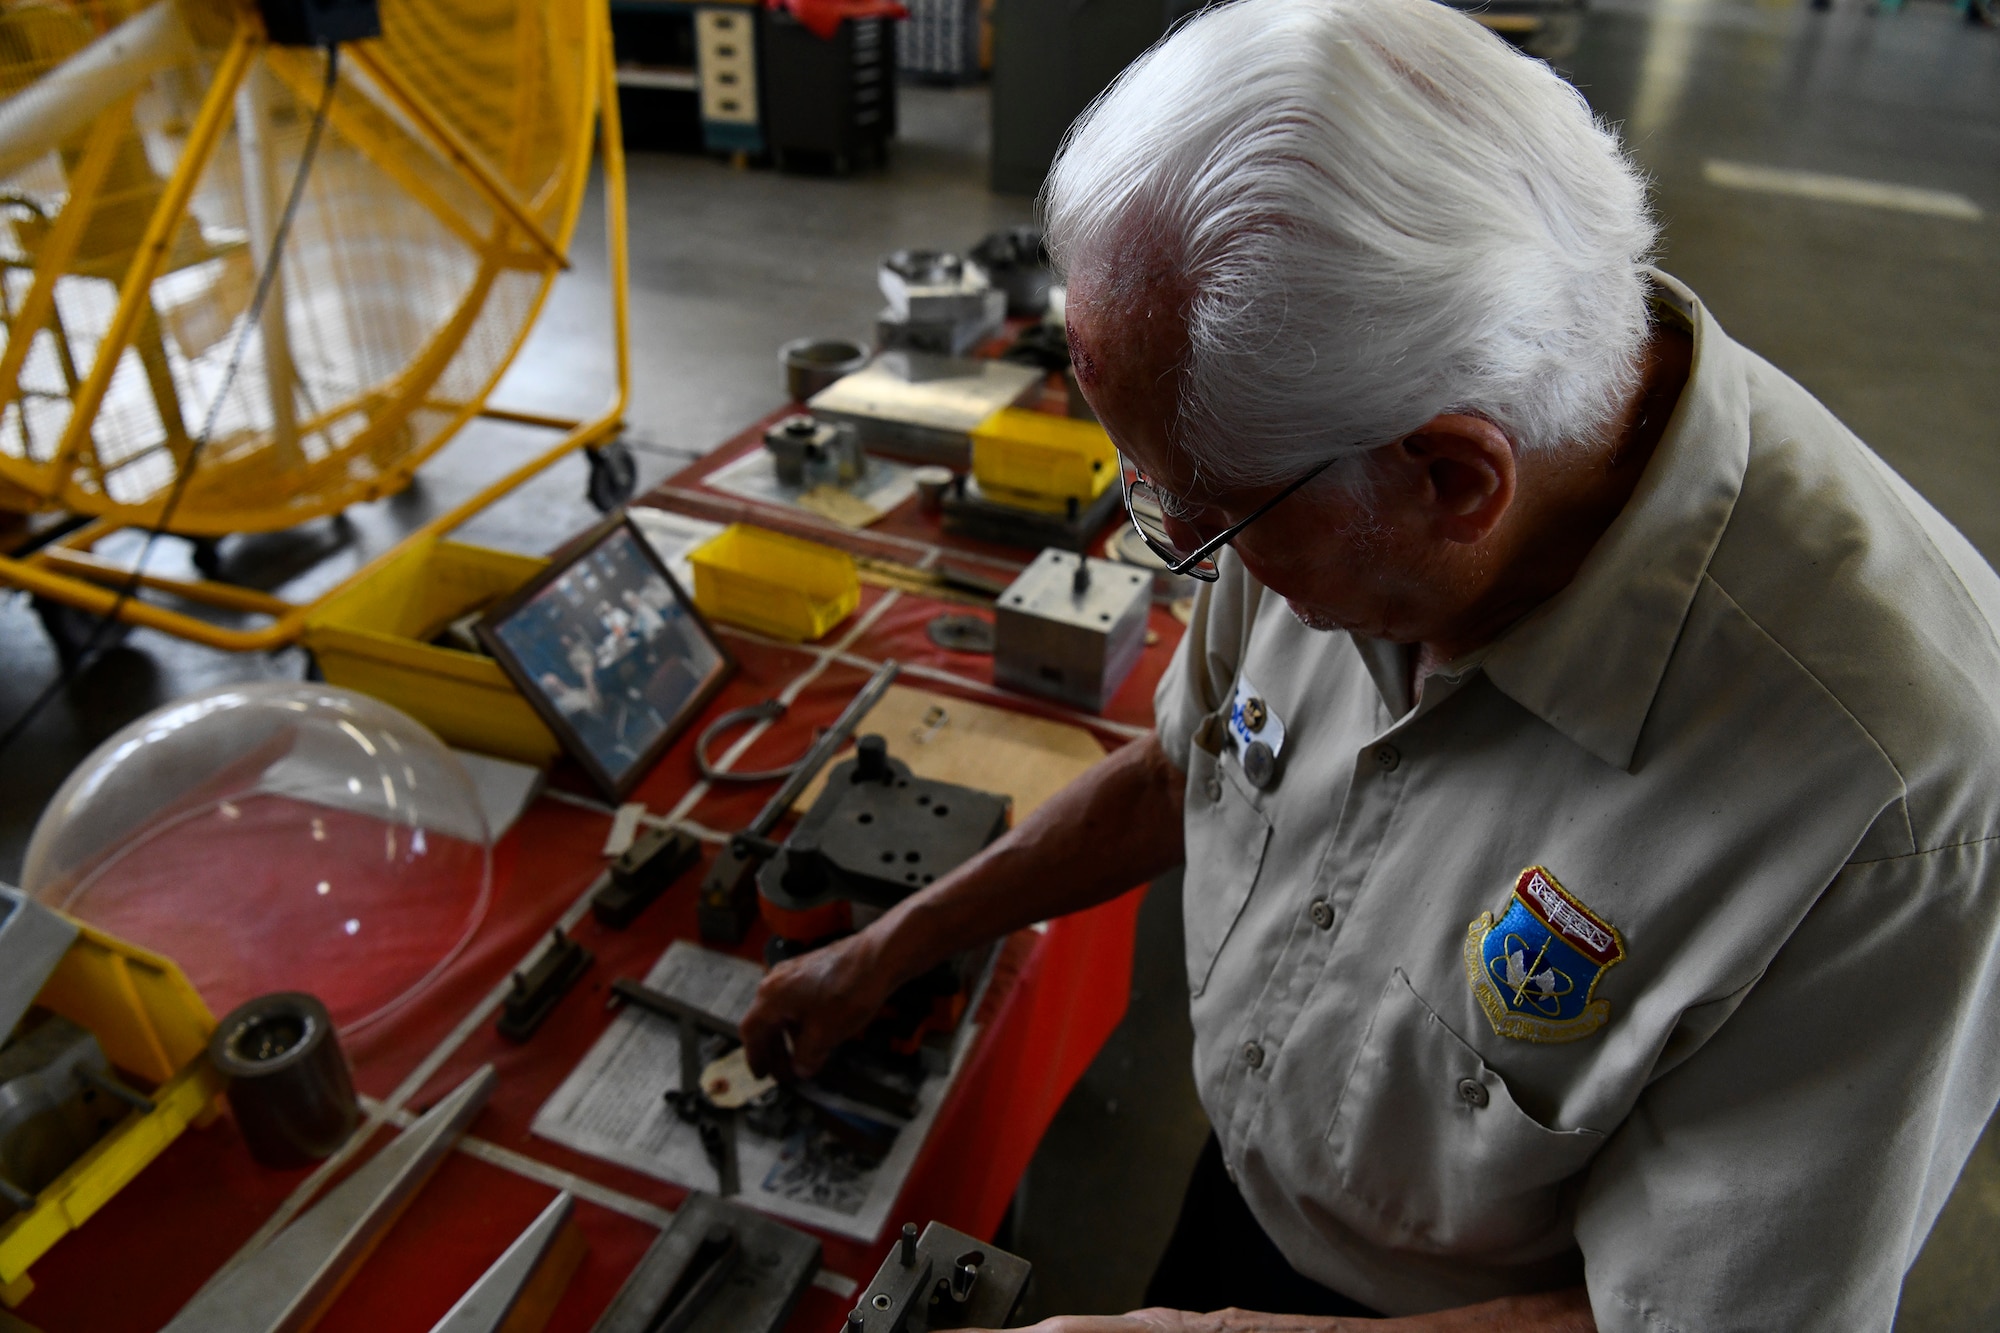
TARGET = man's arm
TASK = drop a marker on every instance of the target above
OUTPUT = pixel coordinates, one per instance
(1547, 1312)
(1116, 826)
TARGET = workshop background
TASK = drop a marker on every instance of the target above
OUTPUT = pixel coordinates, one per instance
(1829, 180)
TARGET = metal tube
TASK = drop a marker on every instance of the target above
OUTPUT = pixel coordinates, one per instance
(60, 105)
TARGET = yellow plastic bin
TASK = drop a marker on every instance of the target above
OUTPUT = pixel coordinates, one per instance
(1039, 461)
(786, 587)
(152, 1025)
(374, 637)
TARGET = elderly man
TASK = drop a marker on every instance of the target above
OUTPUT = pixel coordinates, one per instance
(1585, 753)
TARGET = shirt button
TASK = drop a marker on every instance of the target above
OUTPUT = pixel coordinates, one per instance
(1387, 757)
(1212, 789)
(1253, 1055)
(1472, 1092)
(1321, 913)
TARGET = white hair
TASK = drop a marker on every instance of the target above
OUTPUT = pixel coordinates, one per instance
(1375, 211)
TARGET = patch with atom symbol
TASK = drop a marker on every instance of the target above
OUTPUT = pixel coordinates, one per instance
(1535, 968)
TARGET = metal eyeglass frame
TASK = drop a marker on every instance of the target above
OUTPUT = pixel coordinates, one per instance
(1200, 564)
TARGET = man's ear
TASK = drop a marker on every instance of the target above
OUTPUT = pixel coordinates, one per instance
(1468, 473)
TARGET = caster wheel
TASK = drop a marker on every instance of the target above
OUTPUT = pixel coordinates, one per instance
(613, 475)
(207, 556)
(75, 632)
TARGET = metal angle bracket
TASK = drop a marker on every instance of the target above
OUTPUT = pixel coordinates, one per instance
(518, 1293)
(286, 1286)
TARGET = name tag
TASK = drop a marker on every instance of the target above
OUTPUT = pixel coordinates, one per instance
(1257, 733)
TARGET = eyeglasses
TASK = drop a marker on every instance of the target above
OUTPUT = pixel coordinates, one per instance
(1148, 507)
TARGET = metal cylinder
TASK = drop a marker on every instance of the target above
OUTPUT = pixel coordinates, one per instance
(289, 1084)
(810, 364)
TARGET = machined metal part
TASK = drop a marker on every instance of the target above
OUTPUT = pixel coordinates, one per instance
(924, 406)
(878, 833)
(1071, 628)
(538, 989)
(32, 941)
(523, 1281)
(810, 364)
(970, 512)
(942, 337)
(942, 1279)
(55, 1102)
(960, 632)
(808, 452)
(285, 1286)
(934, 286)
(729, 893)
(746, 1279)
(656, 858)
(289, 1084)
(939, 303)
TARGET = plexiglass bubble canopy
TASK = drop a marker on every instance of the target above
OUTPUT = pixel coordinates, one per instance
(276, 836)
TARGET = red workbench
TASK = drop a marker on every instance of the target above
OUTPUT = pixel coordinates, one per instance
(1057, 994)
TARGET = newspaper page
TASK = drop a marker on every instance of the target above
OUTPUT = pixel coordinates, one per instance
(612, 1106)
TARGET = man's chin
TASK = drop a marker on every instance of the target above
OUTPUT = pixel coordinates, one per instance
(1316, 618)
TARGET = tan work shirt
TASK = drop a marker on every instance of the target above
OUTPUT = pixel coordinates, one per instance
(1751, 757)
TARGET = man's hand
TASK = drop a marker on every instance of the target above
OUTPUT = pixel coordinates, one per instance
(1549, 1312)
(809, 1005)
(1116, 826)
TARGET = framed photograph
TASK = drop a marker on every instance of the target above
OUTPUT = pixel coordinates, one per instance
(611, 651)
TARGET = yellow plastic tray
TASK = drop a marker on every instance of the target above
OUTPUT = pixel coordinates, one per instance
(786, 587)
(151, 1024)
(1040, 461)
(372, 638)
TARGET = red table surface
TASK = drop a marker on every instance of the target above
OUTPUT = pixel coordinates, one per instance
(1057, 994)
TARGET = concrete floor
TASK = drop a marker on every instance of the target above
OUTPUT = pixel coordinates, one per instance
(1892, 317)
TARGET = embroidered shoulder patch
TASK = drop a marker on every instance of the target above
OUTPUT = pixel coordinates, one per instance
(1534, 969)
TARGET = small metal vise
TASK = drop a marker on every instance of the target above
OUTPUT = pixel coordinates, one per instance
(808, 452)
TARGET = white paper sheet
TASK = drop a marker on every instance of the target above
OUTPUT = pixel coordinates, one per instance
(755, 477)
(611, 1106)
(672, 536)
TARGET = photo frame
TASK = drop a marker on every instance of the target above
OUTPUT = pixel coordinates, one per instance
(610, 650)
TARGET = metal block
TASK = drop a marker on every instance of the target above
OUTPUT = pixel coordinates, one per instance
(943, 1279)
(1071, 628)
(959, 336)
(718, 1268)
(807, 452)
(924, 407)
(934, 287)
(32, 941)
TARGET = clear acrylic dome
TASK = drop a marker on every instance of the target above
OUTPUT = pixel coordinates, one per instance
(271, 837)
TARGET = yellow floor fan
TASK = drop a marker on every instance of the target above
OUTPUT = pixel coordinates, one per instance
(149, 150)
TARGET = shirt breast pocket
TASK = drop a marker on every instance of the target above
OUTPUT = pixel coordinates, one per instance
(1431, 1149)
(1226, 837)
